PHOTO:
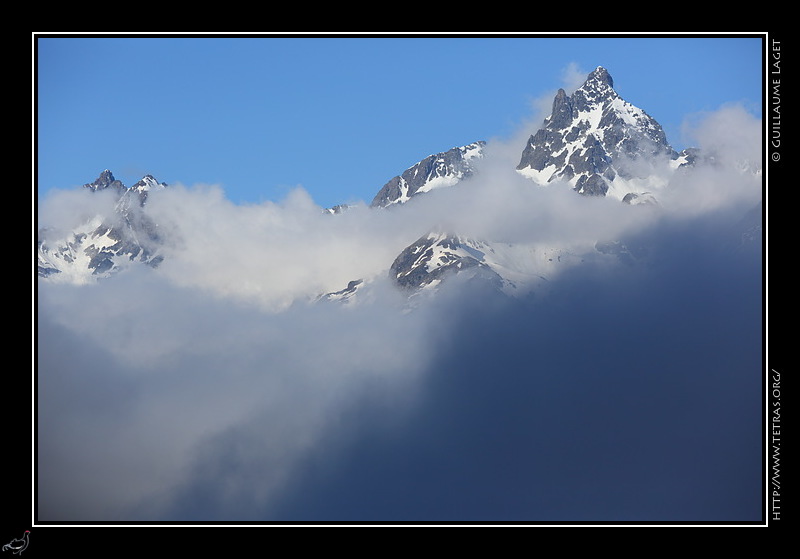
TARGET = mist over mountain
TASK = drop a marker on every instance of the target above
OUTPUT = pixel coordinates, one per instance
(564, 328)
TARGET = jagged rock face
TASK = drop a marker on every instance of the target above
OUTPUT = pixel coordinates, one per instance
(104, 244)
(97, 249)
(337, 209)
(428, 260)
(593, 139)
(435, 171)
(104, 181)
(343, 295)
(144, 186)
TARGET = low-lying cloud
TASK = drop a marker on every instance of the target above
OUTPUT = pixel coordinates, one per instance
(138, 377)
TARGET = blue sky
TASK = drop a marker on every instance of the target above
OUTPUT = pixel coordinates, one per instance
(338, 116)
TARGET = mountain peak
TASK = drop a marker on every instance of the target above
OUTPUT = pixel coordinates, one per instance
(148, 182)
(103, 181)
(435, 171)
(591, 140)
(105, 243)
(600, 75)
(597, 89)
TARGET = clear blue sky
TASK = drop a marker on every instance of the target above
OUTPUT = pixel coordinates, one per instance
(337, 116)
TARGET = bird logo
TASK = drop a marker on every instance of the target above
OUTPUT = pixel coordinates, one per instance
(17, 546)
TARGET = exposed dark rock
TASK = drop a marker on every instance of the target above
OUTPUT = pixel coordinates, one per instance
(592, 137)
(129, 234)
(454, 164)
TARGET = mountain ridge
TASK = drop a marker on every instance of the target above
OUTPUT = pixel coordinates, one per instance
(104, 244)
(592, 139)
(593, 142)
(438, 170)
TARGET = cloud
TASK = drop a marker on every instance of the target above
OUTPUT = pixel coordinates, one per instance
(624, 396)
(731, 133)
(573, 77)
(730, 169)
(60, 211)
(139, 379)
(270, 253)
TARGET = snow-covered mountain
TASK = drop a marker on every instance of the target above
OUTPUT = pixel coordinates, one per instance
(508, 268)
(103, 244)
(425, 262)
(593, 142)
(598, 143)
(435, 171)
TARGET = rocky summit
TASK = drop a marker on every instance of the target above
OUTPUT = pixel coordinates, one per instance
(435, 171)
(428, 261)
(103, 244)
(596, 142)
